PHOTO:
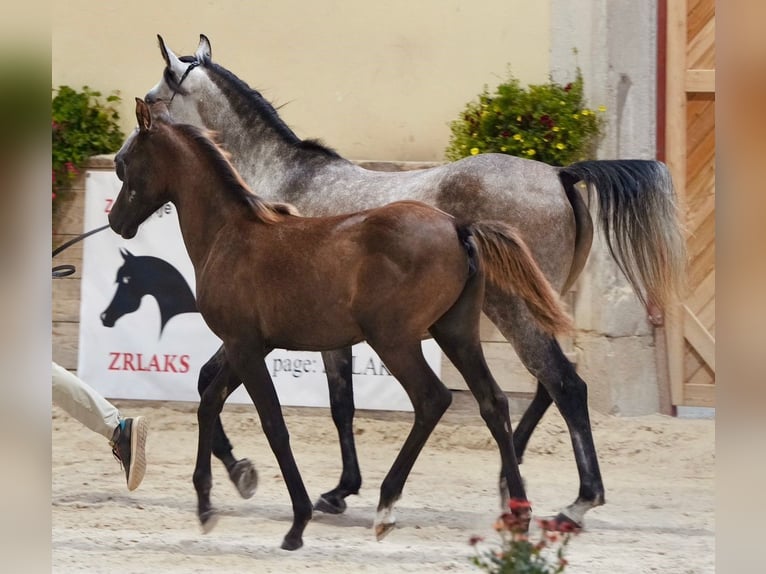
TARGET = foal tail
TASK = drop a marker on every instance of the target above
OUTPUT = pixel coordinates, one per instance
(509, 266)
(638, 215)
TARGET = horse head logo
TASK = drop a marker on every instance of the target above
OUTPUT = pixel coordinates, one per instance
(142, 275)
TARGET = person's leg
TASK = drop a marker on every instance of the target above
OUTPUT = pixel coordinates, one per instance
(127, 436)
(84, 403)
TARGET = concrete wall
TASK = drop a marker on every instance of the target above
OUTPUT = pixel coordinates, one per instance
(614, 42)
(375, 80)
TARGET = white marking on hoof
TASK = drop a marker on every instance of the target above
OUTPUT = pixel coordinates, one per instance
(384, 523)
(576, 512)
(210, 523)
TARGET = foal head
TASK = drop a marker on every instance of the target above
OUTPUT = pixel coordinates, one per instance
(145, 174)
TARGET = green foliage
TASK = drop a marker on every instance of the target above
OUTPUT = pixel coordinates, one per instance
(547, 122)
(83, 125)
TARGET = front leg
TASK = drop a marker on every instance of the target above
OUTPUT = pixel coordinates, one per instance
(210, 406)
(241, 472)
(251, 368)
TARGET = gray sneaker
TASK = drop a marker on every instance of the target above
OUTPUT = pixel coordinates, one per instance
(128, 446)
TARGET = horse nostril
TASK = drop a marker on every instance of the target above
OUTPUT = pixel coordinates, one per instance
(103, 317)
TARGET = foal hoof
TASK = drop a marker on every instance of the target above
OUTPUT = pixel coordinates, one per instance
(208, 520)
(245, 477)
(382, 530)
(384, 523)
(330, 505)
(291, 543)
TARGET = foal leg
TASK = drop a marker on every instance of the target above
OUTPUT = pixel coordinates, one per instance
(339, 380)
(210, 406)
(430, 398)
(529, 420)
(241, 472)
(543, 357)
(251, 366)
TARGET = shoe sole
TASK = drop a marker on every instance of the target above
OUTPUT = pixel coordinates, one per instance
(138, 432)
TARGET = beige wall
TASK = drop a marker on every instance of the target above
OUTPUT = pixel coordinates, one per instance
(374, 80)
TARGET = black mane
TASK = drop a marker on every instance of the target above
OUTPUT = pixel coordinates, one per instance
(237, 91)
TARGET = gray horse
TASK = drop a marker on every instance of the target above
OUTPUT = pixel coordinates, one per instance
(636, 210)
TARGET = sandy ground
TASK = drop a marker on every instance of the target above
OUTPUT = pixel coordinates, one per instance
(658, 472)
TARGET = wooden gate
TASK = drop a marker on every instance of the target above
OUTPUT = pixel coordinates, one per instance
(690, 155)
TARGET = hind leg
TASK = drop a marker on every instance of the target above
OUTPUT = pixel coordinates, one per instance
(543, 357)
(339, 380)
(457, 333)
(241, 472)
(430, 398)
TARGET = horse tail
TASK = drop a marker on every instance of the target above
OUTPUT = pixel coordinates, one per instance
(638, 214)
(510, 267)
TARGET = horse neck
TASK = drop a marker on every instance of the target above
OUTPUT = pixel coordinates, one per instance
(204, 205)
(263, 149)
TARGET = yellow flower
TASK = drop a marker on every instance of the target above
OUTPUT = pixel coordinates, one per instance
(561, 102)
(518, 137)
(602, 109)
(503, 149)
(560, 146)
(518, 118)
(474, 150)
(555, 129)
(530, 152)
(576, 116)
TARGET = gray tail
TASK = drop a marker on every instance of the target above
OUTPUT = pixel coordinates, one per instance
(638, 214)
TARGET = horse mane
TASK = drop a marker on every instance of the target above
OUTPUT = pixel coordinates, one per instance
(228, 83)
(262, 210)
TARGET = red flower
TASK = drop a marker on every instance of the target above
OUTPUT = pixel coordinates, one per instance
(519, 505)
(474, 540)
(568, 87)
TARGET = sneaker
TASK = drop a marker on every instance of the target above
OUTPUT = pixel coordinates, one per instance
(128, 443)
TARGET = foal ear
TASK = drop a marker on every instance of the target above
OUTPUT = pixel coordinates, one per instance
(125, 253)
(143, 115)
(203, 50)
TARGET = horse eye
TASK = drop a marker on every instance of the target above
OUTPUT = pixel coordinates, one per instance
(126, 279)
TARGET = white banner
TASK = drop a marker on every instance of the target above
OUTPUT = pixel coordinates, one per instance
(142, 338)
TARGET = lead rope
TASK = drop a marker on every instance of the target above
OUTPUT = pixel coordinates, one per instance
(66, 270)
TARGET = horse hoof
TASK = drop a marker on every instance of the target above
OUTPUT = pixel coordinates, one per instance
(245, 477)
(291, 543)
(330, 506)
(560, 523)
(208, 520)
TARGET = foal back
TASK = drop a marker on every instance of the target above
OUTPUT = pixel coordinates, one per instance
(393, 269)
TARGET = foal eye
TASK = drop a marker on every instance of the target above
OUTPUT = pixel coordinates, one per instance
(126, 280)
(131, 195)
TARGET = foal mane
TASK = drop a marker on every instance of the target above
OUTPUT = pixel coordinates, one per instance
(238, 91)
(262, 211)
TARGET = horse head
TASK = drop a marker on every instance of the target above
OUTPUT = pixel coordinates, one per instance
(144, 178)
(183, 81)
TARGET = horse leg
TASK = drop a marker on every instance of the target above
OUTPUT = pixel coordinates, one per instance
(251, 366)
(241, 472)
(339, 380)
(529, 420)
(457, 333)
(210, 406)
(543, 357)
(430, 398)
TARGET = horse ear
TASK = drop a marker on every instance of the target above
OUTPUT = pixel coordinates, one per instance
(143, 115)
(203, 50)
(171, 60)
(125, 253)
